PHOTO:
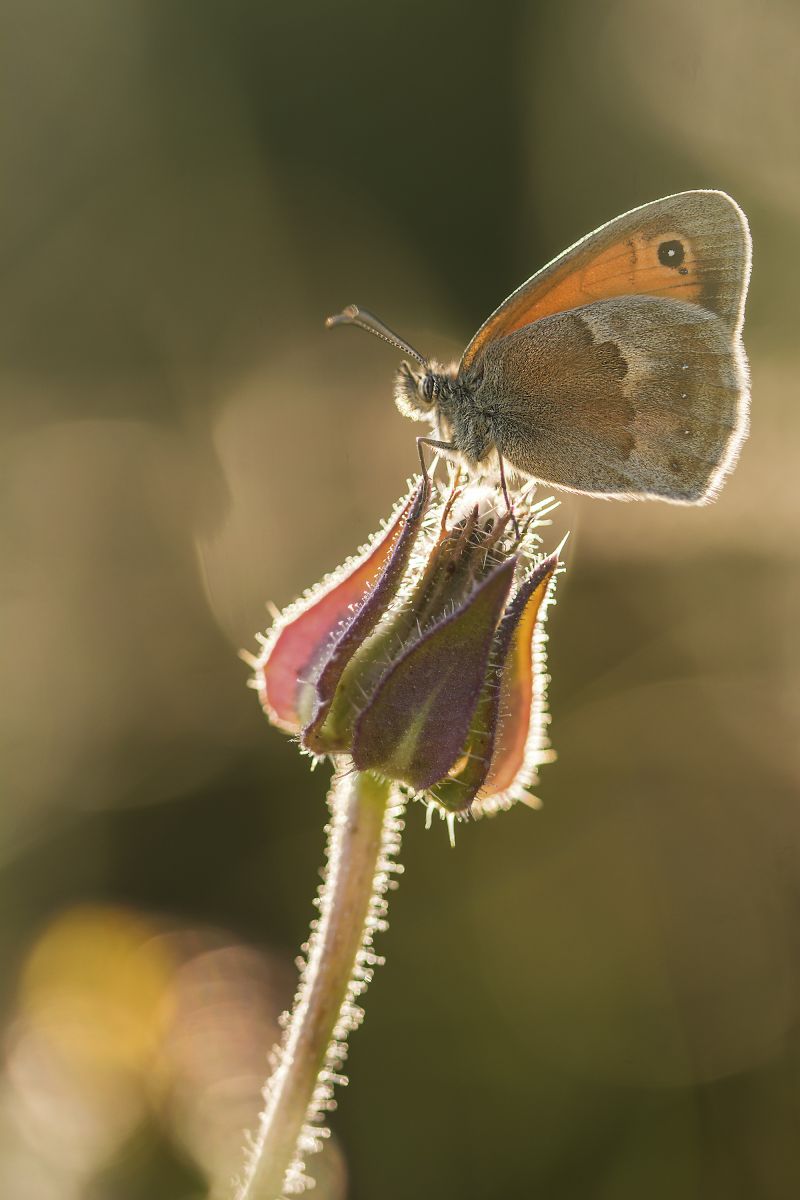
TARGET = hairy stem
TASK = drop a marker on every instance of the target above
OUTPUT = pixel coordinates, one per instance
(363, 838)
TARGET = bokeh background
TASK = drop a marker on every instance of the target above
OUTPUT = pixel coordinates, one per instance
(599, 1000)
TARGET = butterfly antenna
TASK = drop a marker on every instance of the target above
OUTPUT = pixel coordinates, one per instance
(353, 315)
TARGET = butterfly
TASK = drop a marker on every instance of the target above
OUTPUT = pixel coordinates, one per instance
(617, 370)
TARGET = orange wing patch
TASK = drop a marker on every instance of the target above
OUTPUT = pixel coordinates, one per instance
(665, 264)
(641, 266)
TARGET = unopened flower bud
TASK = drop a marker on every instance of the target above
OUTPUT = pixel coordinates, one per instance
(422, 657)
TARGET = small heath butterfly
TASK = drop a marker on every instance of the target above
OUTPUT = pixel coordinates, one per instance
(617, 370)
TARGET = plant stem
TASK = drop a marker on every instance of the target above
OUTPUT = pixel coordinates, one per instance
(363, 838)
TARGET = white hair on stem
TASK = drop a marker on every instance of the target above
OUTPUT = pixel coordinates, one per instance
(363, 842)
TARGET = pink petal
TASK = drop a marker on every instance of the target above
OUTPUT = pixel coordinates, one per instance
(312, 628)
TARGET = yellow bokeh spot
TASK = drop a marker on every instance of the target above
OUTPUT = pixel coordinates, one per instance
(96, 985)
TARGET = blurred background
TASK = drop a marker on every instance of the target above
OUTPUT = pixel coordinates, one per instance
(599, 1000)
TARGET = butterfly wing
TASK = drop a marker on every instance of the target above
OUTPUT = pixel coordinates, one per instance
(693, 247)
(634, 397)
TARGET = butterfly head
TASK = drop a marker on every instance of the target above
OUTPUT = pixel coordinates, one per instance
(418, 392)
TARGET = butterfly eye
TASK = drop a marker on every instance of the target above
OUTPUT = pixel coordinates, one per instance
(671, 254)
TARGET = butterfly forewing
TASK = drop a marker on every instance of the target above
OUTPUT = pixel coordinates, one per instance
(693, 247)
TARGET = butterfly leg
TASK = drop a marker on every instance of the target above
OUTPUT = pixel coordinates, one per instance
(435, 445)
(509, 505)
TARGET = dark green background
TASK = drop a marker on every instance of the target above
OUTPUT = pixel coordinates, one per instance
(599, 1000)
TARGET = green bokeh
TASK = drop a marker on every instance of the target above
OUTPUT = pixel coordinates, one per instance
(600, 1000)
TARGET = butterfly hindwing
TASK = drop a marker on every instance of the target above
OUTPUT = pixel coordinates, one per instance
(630, 397)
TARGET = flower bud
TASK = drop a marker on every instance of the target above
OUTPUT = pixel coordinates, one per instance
(422, 657)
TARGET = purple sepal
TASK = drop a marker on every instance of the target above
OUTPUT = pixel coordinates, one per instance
(417, 724)
(459, 791)
(364, 622)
